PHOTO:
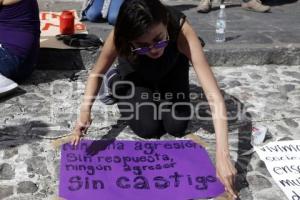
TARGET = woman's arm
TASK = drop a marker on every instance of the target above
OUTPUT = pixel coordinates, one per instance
(105, 60)
(189, 45)
(107, 56)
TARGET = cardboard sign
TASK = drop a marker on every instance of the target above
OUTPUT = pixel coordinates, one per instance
(50, 28)
(135, 170)
(283, 162)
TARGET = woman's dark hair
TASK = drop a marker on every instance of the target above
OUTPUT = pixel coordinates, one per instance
(134, 19)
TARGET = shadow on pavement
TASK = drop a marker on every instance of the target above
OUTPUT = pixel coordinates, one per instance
(235, 111)
(227, 6)
(183, 7)
(51, 76)
(243, 160)
(232, 37)
(17, 135)
(278, 2)
(12, 94)
(60, 59)
(100, 145)
(238, 120)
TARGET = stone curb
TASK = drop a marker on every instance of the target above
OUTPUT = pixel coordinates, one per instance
(53, 59)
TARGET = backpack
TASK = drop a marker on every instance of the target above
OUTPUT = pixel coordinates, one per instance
(80, 40)
(101, 10)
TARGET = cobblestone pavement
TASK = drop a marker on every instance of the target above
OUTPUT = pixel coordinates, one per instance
(47, 106)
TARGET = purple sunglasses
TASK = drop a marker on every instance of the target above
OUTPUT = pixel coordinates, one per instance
(144, 50)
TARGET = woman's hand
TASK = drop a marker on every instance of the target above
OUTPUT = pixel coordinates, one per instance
(226, 172)
(81, 127)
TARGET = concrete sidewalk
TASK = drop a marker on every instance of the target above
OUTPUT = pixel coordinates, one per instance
(251, 38)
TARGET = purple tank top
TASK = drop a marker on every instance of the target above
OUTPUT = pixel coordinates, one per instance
(20, 27)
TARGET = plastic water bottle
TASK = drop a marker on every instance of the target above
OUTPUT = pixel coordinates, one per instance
(221, 25)
(258, 135)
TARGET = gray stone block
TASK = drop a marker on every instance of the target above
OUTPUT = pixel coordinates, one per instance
(7, 172)
(27, 187)
(6, 191)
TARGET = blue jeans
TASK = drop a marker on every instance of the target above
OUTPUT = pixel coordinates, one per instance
(14, 67)
(93, 12)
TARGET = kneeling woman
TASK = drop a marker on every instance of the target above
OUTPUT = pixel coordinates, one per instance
(154, 44)
(19, 41)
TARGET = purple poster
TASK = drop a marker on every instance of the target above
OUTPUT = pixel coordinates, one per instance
(135, 170)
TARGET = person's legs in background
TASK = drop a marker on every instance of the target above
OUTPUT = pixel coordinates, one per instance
(93, 12)
(25, 68)
(8, 67)
(204, 6)
(14, 69)
(114, 11)
(252, 5)
(255, 5)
